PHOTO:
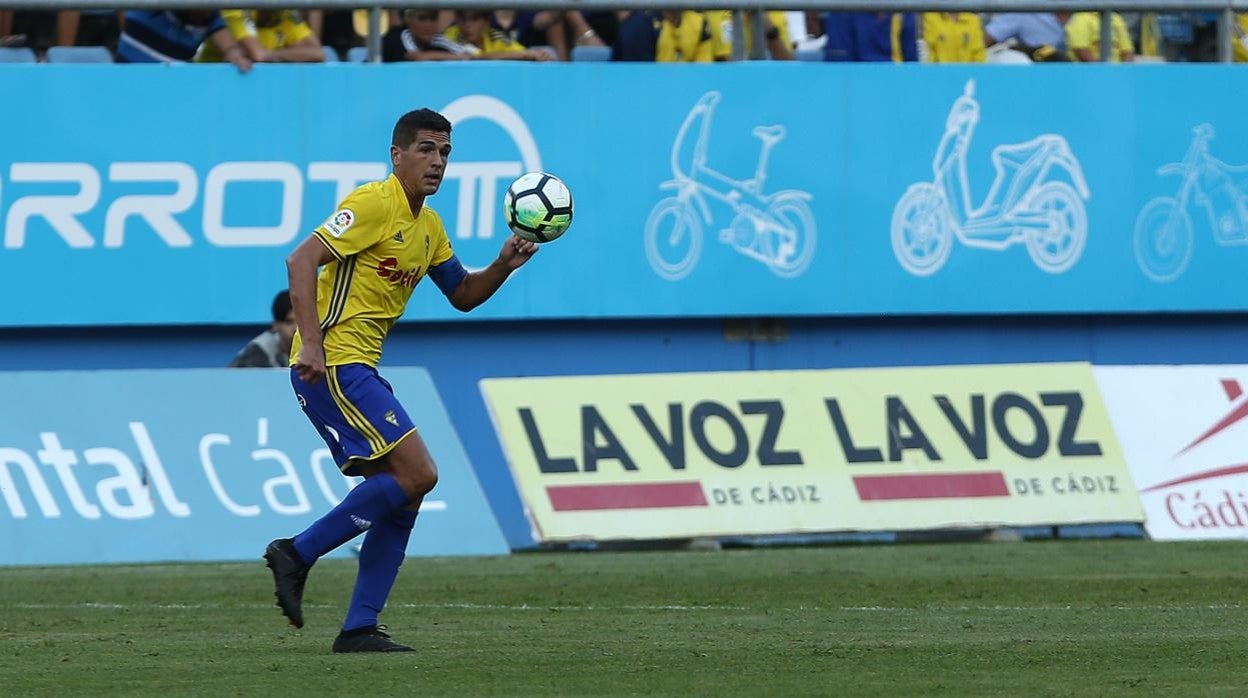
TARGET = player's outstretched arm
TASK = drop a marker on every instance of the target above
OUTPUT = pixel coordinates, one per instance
(477, 287)
(301, 268)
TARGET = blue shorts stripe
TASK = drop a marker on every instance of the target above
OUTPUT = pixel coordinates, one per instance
(374, 436)
(349, 417)
(352, 413)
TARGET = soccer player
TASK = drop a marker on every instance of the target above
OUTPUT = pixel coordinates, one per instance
(372, 251)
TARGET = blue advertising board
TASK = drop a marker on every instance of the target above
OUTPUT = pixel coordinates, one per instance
(179, 465)
(753, 189)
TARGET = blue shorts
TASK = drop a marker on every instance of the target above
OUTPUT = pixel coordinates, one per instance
(355, 411)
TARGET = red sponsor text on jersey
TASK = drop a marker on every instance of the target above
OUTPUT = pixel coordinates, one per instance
(388, 269)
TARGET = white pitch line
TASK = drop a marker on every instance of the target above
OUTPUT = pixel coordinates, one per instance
(834, 609)
(527, 607)
(599, 609)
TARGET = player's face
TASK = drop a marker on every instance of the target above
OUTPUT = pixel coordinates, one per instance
(422, 164)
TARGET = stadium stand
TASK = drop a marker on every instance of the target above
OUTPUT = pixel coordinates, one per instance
(79, 54)
(17, 55)
(809, 54)
(1158, 37)
(582, 54)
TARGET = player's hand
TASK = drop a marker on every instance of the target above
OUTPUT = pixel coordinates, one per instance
(516, 252)
(310, 364)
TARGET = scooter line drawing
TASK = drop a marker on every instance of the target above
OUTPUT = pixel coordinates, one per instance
(1036, 198)
(1163, 231)
(776, 229)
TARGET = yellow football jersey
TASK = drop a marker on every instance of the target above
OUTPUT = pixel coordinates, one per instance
(954, 37)
(691, 42)
(1239, 36)
(273, 29)
(381, 251)
(1083, 30)
(721, 27)
(494, 41)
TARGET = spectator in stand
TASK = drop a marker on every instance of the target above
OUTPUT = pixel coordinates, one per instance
(870, 37)
(41, 30)
(559, 29)
(7, 37)
(1239, 38)
(358, 21)
(954, 37)
(806, 30)
(333, 28)
(689, 37)
(507, 23)
(271, 348)
(174, 37)
(1152, 43)
(775, 31)
(474, 29)
(33, 29)
(342, 30)
(1083, 38)
(268, 36)
(1039, 35)
(316, 22)
(605, 25)
(88, 28)
(418, 39)
(637, 36)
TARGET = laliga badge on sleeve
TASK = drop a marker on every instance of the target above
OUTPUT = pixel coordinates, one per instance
(340, 222)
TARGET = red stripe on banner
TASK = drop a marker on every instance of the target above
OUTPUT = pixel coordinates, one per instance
(1203, 475)
(655, 495)
(937, 486)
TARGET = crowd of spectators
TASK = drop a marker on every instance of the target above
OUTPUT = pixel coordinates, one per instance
(245, 37)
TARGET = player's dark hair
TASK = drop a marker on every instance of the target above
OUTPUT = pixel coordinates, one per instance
(281, 305)
(418, 120)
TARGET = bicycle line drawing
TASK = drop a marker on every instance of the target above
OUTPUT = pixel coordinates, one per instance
(776, 229)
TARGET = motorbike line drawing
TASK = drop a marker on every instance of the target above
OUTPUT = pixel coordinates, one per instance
(776, 229)
(1036, 198)
(1164, 238)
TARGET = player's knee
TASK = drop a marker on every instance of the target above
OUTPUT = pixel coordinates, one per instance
(423, 482)
(416, 479)
(413, 467)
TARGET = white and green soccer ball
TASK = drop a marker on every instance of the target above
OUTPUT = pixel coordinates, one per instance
(538, 207)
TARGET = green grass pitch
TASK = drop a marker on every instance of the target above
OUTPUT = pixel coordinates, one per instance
(1038, 618)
